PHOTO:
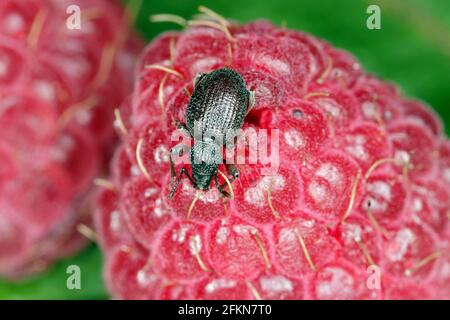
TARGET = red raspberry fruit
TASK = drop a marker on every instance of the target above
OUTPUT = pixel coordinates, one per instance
(363, 180)
(58, 90)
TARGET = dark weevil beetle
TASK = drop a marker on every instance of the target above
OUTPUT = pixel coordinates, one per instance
(217, 108)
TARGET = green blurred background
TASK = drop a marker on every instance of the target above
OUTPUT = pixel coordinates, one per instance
(412, 49)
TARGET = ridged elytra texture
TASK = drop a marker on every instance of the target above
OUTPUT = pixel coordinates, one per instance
(351, 146)
(218, 104)
(58, 90)
(215, 113)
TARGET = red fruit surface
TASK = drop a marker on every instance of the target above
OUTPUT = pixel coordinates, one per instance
(58, 90)
(362, 180)
(340, 280)
(321, 244)
(233, 243)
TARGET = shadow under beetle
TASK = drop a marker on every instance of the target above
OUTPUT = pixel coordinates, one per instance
(216, 109)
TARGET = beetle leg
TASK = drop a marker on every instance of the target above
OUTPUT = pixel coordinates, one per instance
(177, 182)
(181, 150)
(172, 166)
(233, 171)
(220, 188)
(173, 175)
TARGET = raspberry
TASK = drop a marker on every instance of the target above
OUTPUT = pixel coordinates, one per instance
(58, 90)
(363, 180)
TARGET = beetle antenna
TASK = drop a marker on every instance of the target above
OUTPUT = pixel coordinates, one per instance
(352, 197)
(191, 207)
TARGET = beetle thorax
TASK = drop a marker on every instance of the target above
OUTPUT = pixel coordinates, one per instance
(205, 158)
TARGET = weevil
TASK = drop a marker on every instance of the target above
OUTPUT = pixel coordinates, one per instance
(216, 109)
